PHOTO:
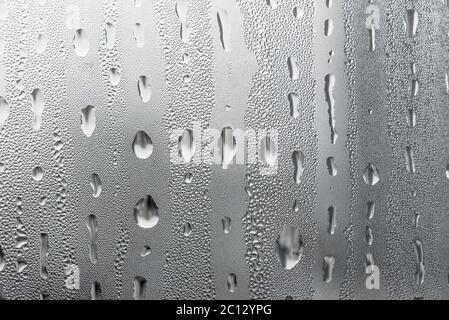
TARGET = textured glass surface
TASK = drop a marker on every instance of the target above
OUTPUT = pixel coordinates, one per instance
(224, 149)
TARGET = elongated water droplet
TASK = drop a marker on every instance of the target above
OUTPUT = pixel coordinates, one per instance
(269, 151)
(226, 223)
(371, 175)
(2, 258)
(37, 107)
(411, 118)
(181, 8)
(224, 25)
(142, 145)
(110, 33)
(88, 120)
(231, 282)
(370, 209)
(328, 268)
(140, 287)
(187, 229)
(227, 147)
(411, 22)
(289, 247)
(331, 166)
(419, 258)
(332, 220)
(139, 35)
(81, 42)
(293, 69)
(41, 43)
(369, 236)
(293, 100)
(43, 254)
(328, 27)
(298, 166)
(298, 12)
(95, 291)
(186, 145)
(144, 88)
(329, 84)
(91, 223)
(372, 39)
(146, 213)
(95, 183)
(4, 111)
(410, 160)
(114, 76)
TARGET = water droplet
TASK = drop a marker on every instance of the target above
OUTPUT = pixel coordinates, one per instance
(43, 254)
(146, 213)
(370, 209)
(142, 145)
(371, 175)
(331, 166)
(91, 223)
(95, 291)
(110, 33)
(144, 88)
(289, 247)
(269, 151)
(139, 35)
(293, 69)
(328, 268)
(186, 146)
(81, 42)
(95, 183)
(38, 174)
(188, 177)
(226, 223)
(41, 43)
(4, 111)
(114, 76)
(328, 27)
(329, 81)
(369, 236)
(145, 251)
(419, 258)
(140, 286)
(411, 22)
(224, 25)
(293, 100)
(298, 12)
(187, 229)
(88, 120)
(332, 220)
(298, 165)
(231, 282)
(410, 160)
(37, 107)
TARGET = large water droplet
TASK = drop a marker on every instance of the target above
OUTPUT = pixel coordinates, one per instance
(142, 145)
(144, 88)
(289, 247)
(37, 107)
(81, 42)
(95, 183)
(146, 213)
(224, 25)
(298, 166)
(371, 175)
(88, 121)
(186, 145)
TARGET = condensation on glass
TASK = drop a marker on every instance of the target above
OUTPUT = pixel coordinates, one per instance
(224, 149)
